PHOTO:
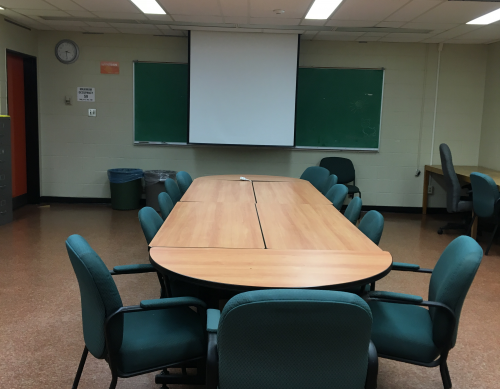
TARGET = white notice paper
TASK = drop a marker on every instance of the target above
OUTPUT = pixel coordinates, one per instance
(85, 94)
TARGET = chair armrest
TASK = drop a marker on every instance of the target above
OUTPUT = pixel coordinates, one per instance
(372, 373)
(133, 269)
(401, 266)
(213, 316)
(173, 302)
(212, 372)
(400, 297)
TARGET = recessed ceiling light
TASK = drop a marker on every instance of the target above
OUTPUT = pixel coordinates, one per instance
(278, 11)
(149, 7)
(2, 9)
(487, 19)
(322, 9)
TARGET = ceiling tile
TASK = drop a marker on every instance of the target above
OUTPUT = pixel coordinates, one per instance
(234, 7)
(292, 8)
(65, 5)
(485, 33)
(191, 7)
(104, 30)
(64, 23)
(390, 24)
(236, 19)
(198, 18)
(413, 9)
(456, 12)
(41, 12)
(368, 38)
(378, 34)
(367, 9)
(121, 26)
(26, 4)
(81, 14)
(159, 17)
(313, 22)
(456, 32)
(351, 23)
(121, 15)
(97, 24)
(431, 26)
(107, 5)
(278, 21)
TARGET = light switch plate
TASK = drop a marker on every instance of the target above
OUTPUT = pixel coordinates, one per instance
(92, 112)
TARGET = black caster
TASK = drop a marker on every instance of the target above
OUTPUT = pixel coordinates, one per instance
(440, 231)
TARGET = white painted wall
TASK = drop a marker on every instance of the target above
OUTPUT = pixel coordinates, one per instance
(77, 150)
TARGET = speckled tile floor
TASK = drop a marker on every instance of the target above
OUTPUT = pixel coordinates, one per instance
(40, 325)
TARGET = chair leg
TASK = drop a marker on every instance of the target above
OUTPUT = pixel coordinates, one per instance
(80, 368)
(469, 229)
(114, 381)
(445, 374)
(163, 292)
(492, 239)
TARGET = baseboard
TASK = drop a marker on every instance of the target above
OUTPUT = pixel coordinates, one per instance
(19, 201)
(79, 200)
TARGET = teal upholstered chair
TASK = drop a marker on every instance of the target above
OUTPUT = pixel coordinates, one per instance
(184, 180)
(317, 176)
(353, 210)
(405, 331)
(372, 225)
(337, 195)
(173, 190)
(292, 339)
(330, 181)
(136, 339)
(485, 201)
(150, 222)
(166, 204)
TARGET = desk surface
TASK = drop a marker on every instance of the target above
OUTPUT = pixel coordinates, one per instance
(200, 224)
(288, 192)
(273, 268)
(463, 172)
(218, 191)
(251, 177)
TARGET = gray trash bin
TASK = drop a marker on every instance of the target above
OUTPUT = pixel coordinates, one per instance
(154, 181)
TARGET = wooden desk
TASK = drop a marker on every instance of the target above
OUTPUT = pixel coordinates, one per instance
(218, 191)
(199, 224)
(254, 269)
(310, 227)
(251, 177)
(288, 192)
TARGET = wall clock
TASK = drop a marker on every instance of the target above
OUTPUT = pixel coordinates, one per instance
(67, 51)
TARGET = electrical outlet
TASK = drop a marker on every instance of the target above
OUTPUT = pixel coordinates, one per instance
(430, 189)
(92, 112)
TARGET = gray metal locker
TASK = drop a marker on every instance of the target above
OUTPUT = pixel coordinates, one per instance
(5, 172)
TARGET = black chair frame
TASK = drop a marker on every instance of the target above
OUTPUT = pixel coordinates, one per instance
(212, 374)
(165, 377)
(444, 351)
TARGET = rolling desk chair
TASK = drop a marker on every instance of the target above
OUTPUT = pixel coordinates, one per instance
(343, 168)
(454, 202)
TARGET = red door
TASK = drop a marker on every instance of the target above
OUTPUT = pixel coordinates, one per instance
(15, 99)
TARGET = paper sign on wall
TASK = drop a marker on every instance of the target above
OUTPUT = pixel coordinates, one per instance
(110, 67)
(85, 94)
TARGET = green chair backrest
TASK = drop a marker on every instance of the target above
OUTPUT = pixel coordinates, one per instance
(184, 180)
(450, 281)
(337, 195)
(173, 190)
(294, 339)
(330, 181)
(166, 204)
(98, 293)
(484, 194)
(317, 176)
(353, 210)
(372, 225)
(150, 222)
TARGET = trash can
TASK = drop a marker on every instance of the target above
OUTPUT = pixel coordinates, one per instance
(154, 181)
(126, 188)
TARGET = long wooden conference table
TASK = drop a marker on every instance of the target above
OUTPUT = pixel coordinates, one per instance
(269, 232)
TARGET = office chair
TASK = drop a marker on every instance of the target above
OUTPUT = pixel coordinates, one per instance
(184, 180)
(330, 181)
(485, 202)
(317, 176)
(173, 190)
(166, 204)
(292, 339)
(138, 339)
(354, 210)
(337, 195)
(454, 202)
(344, 170)
(372, 225)
(405, 331)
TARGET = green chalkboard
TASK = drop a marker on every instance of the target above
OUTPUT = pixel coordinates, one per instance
(160, 102)
(339, 108)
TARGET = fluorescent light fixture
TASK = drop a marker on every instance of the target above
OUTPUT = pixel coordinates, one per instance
(149, 7)
(322, 9)
(487, 19)
(2, 9)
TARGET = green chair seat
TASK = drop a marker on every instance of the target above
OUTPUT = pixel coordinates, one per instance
(159, 338)
(403, 331)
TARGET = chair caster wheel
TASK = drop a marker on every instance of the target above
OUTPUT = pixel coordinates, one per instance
(440, 231)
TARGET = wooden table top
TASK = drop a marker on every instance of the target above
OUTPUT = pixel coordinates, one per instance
(463, 172)
(251, 177)
(273, 268)
(288, 192)
(203, 224)
(310, 227)
(218, 191)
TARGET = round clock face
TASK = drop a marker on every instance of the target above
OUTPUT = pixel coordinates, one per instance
(67, 51)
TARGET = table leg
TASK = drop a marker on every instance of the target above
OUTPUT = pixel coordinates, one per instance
(473, 231)
(425, 194)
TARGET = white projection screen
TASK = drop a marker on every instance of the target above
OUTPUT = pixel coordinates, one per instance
(242, 88)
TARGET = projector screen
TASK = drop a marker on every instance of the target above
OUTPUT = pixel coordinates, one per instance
(242, 88)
